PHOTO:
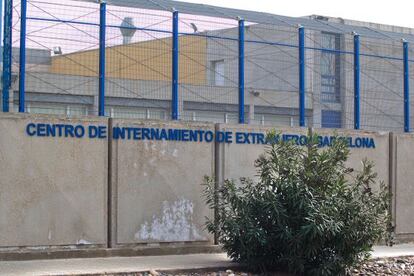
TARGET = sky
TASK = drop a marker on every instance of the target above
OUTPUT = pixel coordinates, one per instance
(391, 12)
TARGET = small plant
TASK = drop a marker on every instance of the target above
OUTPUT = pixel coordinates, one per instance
(307, 214)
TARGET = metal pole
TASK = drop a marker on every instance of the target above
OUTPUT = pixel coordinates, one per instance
(356, 83)
(7, 52)
(1, 20)
(241, 71)
(301, 76)
(174, 107)
(22, 61)
(406, 88)
(102, 32)
(1, 30)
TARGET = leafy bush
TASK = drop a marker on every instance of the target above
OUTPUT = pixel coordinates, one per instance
(307, 214)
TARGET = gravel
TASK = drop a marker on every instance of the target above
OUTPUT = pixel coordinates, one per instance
(387, 266)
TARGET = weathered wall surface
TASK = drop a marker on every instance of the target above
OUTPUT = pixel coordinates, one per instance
(158, 186)
(237, 160)
(379, 155)
(52, 190)
(58, 191)
(404, 184)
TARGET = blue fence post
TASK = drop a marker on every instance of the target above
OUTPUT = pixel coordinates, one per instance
(241, 71)
(102, 33)
(174, 104)
(1, 18)
(406, 88)
(22, 60)
(7, 52)
(356, 83)
(301, 76)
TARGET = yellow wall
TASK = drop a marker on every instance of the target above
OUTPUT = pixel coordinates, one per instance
(148, 60)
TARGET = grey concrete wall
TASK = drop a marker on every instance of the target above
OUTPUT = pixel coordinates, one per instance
(52, 190)
(237, 160)
(404, 184)
(156, 187)
(380, 155)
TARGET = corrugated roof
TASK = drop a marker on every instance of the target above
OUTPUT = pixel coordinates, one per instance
(258, 17)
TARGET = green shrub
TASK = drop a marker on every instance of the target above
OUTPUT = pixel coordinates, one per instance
(307, 214)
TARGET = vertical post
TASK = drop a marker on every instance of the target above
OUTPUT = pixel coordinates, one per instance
(356, 83)
(301, 76)
(22, 61)
(7, 52)
(102, 32)
(174, 107)
(1, 22)
(241, 71)
(406, 88)
(1, 18)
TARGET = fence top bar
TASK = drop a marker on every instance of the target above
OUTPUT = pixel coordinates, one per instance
(310, 23)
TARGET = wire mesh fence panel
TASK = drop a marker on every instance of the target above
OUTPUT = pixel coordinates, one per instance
(138, 63)
(329, 63)
(272, 74)
(62, 42)
(204, 77)
(382, 91)
(208, 70)
(348, 82)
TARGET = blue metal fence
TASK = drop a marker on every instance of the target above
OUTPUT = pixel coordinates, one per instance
(175, 68)
(7, 54)
(22, 63)
(102, 35)
(241, 72)
(357, 99)
(301, 76)
(210, 64)
(406, 89)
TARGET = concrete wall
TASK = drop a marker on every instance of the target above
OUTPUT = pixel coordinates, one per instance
(380, 155)
(53, 191)
(237, 160)
(403, 189)
(122, 193)
(157, 188)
